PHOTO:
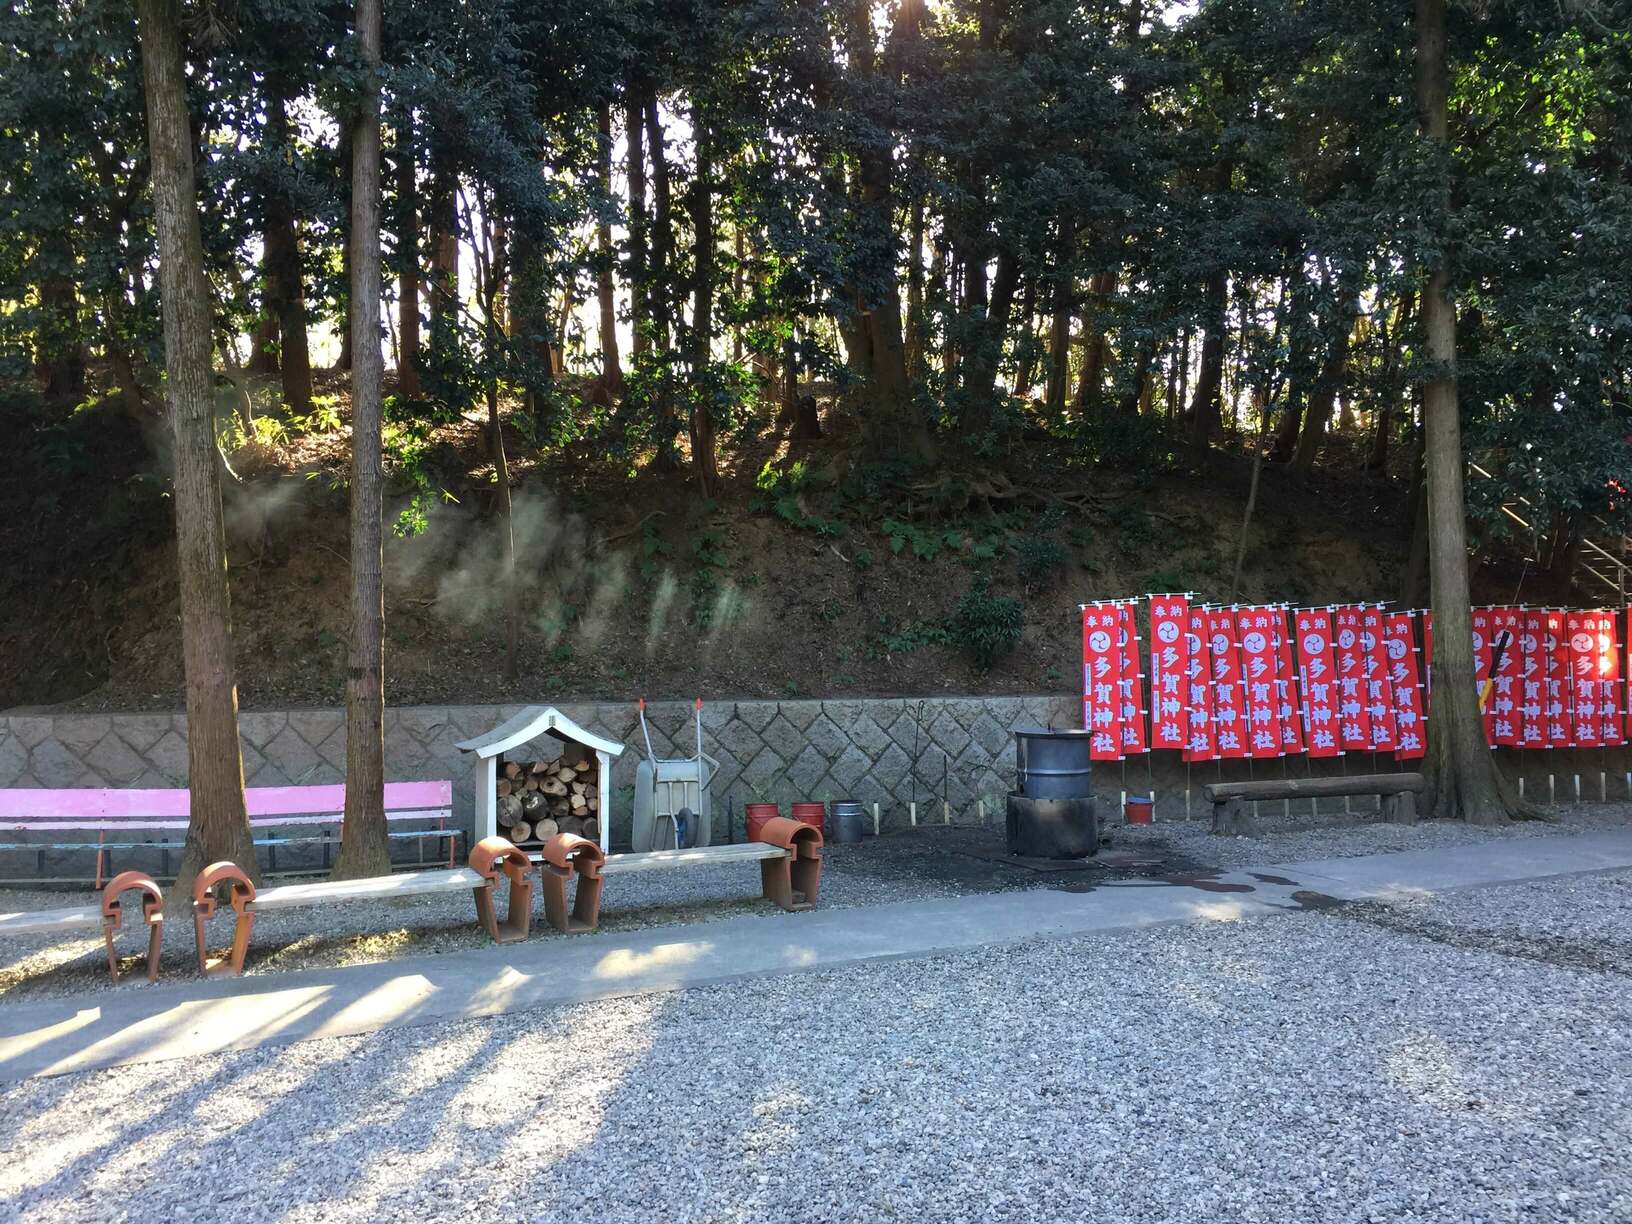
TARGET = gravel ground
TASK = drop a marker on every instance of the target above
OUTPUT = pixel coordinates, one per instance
(934, 861)
(1466, 1057)
(895, 868)
(1277, 839)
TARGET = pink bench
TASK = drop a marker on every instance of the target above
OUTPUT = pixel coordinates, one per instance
(141, 813)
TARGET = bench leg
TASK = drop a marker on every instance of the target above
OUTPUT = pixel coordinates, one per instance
(518, 918)
(234, 963)
(1230, 818)
(585, 914)
(1400, 808)
(113, 956)
(155, 944)
(793, 882)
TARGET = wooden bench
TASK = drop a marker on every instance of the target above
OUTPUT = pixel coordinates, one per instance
(109, 915)
(789, 854)
(142, 812)
(491, 857)
(1397, 792)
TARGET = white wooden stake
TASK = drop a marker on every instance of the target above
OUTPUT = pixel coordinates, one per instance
(946, 812)
(1577, 787)
(875, 820)
(912, 814)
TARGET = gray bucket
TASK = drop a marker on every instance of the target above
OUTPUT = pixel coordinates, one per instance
(849, 822)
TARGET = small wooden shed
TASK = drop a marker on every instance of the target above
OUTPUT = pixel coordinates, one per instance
(534, 721)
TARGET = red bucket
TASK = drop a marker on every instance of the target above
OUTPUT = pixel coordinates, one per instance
(1139, 809)
(812, 814)
(758, 816)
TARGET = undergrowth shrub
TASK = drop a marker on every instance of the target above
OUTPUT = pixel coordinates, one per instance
(1040, 560)
(985, 626)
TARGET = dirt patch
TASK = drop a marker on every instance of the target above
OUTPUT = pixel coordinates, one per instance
(633, 583)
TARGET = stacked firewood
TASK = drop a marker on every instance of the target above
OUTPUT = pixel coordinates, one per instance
(538, 799)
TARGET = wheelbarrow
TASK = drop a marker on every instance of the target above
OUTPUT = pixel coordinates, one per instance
(672, 805)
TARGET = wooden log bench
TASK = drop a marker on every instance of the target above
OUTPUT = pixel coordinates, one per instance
(278, 816)
(109, 915)
(1397, 792)
(789, 854)
(491, 857)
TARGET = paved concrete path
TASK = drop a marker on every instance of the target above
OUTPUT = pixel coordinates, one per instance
(190, 1019)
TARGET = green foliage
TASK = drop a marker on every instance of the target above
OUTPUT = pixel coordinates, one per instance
(1166, 580)
(924, 544)
(787, 491)
(986, 626)
(653, 548)
(1039, 560)
(914, 636)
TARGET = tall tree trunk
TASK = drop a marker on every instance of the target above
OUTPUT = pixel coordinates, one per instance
(1206, 413)
(1464, 780)
(285, 288)
(892, 423)
(991, 328)
(917, 324)
(659, 296)
(1025, 344)
(218, 826)
(1323, 395)
(444, 237)
(659, 300)
(739, 284)
(634, 125)
(704, 450)
(1286, 433)
(611, 369)
(364, 848)
(343, 364)
(530, 328)
(263, 344)
(1059, 357)
(408, 381)
(1138, 388)
(61, 357)
(1394, 344)
(1090, 383)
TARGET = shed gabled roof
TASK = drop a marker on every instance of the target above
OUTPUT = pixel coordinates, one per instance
(530, 724)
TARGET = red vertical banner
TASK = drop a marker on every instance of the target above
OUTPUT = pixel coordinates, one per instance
(1532, 679)
(1427, 661)
(1378, 688)
(1505, 624)
(1482, 636)
(1609, 682)
(1255, 627)
(1353, 723)
(1626, 680)
(1132, 686)
(1286, 696)
(1556, 646)
(1405, 681)
(1101, 681)
(1201, 740)
(1313, 628)
(1169, 669)
(1579, 632)
(1229, 716)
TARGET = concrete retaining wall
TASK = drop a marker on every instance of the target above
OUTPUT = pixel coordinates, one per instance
(889, 751)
